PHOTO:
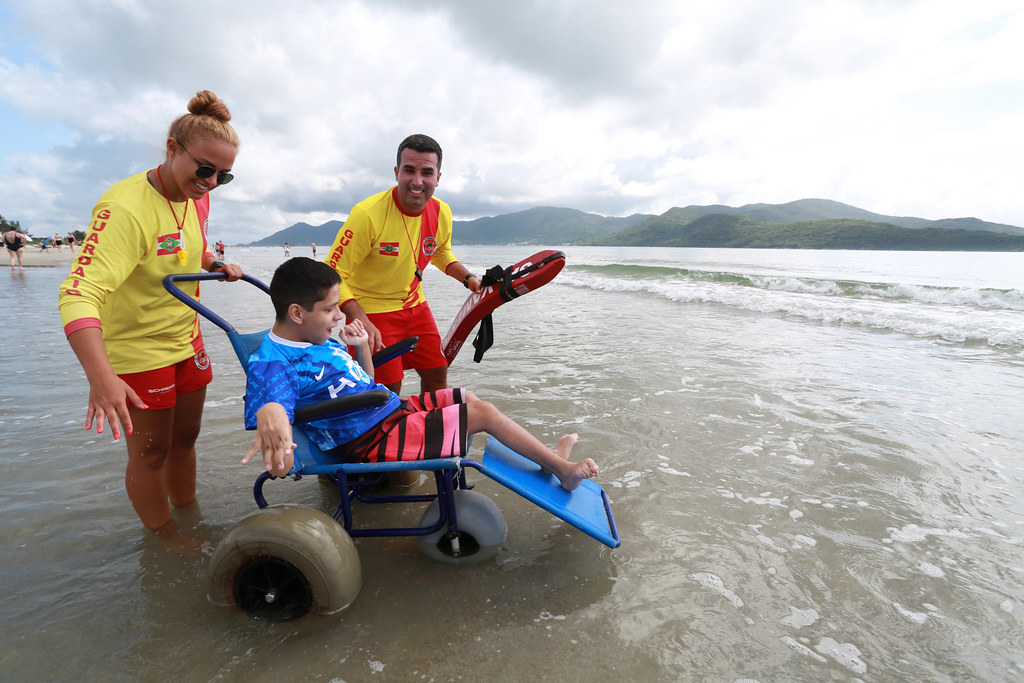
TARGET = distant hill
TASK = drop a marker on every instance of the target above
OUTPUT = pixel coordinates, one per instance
(802, 224)
(302, 234)
(735, 231)
(541, 225)
(806, 210)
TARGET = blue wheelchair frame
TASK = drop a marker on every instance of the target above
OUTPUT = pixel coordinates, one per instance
(587, 508)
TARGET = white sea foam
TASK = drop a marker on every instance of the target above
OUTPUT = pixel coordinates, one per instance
(715, 583)
(952, 314)
(909, 615)
(798, 618)
(802, 649)
(801, 541)
(845, 653)
(912, 533)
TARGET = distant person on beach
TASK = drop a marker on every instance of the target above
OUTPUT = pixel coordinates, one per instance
(287, 249)
(142, 349)
(71, 241)
(14, 241)
(380, 253)
(299, 363)
(313, 245)
(220, 250)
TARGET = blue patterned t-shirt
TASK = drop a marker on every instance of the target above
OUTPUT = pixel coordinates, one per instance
(299, 373)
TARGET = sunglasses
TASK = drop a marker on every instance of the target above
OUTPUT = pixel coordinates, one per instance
(205, 170)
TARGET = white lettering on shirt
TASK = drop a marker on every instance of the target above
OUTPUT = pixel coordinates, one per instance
(342, 383)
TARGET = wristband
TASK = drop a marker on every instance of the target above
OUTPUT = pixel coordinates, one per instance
(465, 280)
(215, 265)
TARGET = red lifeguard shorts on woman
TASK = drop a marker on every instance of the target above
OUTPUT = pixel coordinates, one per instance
(395, 326)
(160, 388)
(431, 425)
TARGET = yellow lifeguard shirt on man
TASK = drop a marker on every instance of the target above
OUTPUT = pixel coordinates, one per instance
(379, 249)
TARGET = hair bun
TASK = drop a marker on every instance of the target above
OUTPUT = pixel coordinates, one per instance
(206, 103)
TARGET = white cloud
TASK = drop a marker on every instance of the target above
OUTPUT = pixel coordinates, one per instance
(909, 107)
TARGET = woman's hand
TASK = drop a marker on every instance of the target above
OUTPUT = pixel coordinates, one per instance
(109, 396)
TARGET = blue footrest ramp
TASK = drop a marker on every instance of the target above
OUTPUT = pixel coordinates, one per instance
(587, 508)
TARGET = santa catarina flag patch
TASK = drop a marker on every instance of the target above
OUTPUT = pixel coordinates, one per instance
(168, 244)
(389, 249)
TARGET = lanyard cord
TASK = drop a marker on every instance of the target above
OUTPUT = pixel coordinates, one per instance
(412, 245)
(180, 225)
(182, 252)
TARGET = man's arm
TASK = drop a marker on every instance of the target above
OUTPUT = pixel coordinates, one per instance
(350, 248)
(443, 257)
(461, 273)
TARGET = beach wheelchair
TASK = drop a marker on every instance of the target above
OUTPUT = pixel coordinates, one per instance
(285, 561)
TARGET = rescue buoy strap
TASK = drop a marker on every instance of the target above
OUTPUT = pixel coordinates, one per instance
(503, 277)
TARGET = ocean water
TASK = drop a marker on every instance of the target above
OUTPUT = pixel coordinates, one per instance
(814, 459)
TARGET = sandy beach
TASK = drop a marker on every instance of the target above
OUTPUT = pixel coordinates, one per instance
(33, 257)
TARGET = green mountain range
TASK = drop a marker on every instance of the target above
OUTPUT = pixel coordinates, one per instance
(803, 224)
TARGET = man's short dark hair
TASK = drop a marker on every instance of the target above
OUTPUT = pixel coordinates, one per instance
(420, 143)
(301, 281)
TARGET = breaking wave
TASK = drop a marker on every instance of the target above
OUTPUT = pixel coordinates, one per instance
(968, 315)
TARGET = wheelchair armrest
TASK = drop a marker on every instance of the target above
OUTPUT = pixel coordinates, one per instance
(342, 404)
(394, 351)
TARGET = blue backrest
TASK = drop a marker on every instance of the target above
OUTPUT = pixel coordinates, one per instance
(246, 344)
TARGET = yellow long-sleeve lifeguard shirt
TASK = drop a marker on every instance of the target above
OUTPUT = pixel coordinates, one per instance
(116, 284)
(379, 248)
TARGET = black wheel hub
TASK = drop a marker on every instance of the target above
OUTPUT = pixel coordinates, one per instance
(272, 589)
(468, 545)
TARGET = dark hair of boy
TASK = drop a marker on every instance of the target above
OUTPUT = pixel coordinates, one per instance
(302, 281)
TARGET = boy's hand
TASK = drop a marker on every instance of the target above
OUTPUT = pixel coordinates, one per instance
(274, 438)
(354, 334)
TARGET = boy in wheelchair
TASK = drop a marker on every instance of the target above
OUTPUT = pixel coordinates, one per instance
(298, 364)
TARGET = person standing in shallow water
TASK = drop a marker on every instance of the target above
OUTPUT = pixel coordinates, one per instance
(15, 241)
(381, 252)
(142, 349)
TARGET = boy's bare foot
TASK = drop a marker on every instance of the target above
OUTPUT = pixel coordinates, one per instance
(564, 448)
(565, 445)
(576, 472)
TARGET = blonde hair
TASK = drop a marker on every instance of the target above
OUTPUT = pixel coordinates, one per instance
(208, 117)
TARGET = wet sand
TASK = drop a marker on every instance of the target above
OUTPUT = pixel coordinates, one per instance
(33, 257)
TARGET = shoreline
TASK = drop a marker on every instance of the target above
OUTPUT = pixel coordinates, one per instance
(33, 257)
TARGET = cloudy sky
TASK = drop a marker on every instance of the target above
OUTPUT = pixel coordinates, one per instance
(902, 107)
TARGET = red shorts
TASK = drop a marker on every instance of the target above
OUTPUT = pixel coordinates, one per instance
(395, 326)
(431, 425)
(160, 388)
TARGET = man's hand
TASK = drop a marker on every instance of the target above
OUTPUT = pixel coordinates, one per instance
(233, 270)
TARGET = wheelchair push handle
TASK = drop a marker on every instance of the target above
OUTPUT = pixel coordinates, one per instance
(171, 285)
